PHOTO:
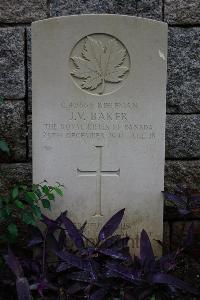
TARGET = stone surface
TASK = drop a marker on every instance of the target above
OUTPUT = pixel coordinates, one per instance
(12, 75)
(13, 129)
(186, 173)
(143, 8)
(11, 174)
(26, 11)
(28, 41)
(149, 9)
(182, 11)
(68, 7)
(97, 133)
(183, 91)
(183, 136)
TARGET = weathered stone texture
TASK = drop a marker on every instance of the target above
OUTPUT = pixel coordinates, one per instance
(17, 11)
(28, 40)
(13, 129)
(144, 8)
(12, 70)
(10, 174)
(149, 9)
(68, 7)
(182, 11)
(183, 90)
(183, 136)
(185, 173)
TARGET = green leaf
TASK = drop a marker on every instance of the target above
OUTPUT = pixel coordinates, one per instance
(51, 196)
(28, 218)
(46, 203)
(12, 229)
(58, 191)
(36, 190)
(23, 187)
(37, 211)
(45, 189)
(1, 99)
(153, 297)
(4, 213)
(15, 192)
(1, 201)
(4, 147)
(31, 197)
(19, 204)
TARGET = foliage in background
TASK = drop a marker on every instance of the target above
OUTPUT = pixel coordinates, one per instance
(66, 265)
(184, 200)
(24, 204)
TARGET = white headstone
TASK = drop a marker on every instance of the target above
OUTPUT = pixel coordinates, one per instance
(99, 118)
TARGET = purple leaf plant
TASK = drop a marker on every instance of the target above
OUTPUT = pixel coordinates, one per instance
(67, 265)
(185, 200)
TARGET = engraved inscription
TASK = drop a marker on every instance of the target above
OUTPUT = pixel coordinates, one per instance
(98, 173)
(99, 62)
(97, 121)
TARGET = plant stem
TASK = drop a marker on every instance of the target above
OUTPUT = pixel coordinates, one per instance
(44, 252)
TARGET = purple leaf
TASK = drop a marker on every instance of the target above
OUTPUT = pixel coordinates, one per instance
(52, 243)
(14, 264)
(109, 242)
(42, 285)
(98, 294)
(36, 237)
(83, 227)
(183, 211)
(51, 224)
(110, 227)
(115, 254)
(82, 276)
(59, 220)
(171, 280)
(93, 268)
(80, 263)
(178, 200)
(146, 251)
(123, 272)
(63, 266)
(35, 241)
(61, 239)
(73, 232)
(23, 289)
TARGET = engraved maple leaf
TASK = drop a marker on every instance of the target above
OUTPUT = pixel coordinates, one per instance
(99, 64)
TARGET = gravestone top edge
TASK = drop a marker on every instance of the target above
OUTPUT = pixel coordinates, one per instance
(80, 16)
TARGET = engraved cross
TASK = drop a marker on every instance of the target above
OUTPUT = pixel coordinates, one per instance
(98, 173)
